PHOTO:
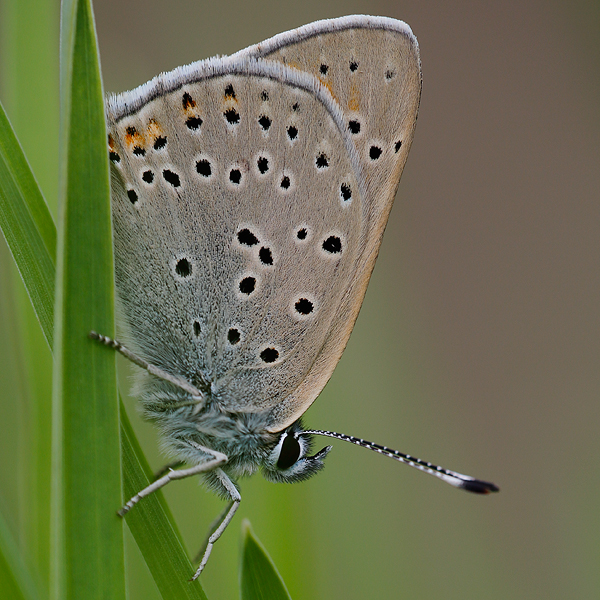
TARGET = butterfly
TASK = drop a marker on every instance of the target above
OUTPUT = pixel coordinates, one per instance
(250, 194)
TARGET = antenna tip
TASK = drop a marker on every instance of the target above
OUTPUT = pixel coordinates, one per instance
(479, 487)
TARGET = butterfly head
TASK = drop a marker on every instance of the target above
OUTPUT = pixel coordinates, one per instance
(289, 461)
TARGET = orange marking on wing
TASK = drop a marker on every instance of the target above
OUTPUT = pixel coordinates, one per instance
(154, 129)
(189, 107)
(354, 98)
(329, 86)
(187, 101)
(133, 138)
(229, 95)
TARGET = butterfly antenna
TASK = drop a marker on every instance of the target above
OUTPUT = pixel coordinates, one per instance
(470, 484)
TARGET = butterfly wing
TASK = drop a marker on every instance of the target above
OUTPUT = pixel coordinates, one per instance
(371, 66)
(233, 240)
(244, 234)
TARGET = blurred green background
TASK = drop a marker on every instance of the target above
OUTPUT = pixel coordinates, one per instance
(478, 344)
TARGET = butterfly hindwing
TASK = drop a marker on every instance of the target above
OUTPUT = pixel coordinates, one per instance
(236, 195)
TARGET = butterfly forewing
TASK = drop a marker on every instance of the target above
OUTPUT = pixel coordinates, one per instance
(371, 67)
(258, 200)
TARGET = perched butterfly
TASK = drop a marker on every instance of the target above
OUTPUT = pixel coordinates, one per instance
(250, 194)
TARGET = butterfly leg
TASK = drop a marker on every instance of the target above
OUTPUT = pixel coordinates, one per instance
(152, 369)
(219, 526)
(164, 470)
(218, 460)
(213, 527)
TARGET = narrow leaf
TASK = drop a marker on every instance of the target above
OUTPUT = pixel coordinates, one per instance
(27, 226)
(16, 582)
(259, 578)
(87, 554)
(151, 522)
(167, 563)
(29, 66)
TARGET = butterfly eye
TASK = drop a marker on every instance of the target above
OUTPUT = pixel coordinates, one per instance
(289, 453)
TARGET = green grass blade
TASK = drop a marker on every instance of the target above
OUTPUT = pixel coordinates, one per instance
(29, 35)
(151, 524)
(27, 226)
(169, 564)
(87, 552)
(16, 583)
(259, 578)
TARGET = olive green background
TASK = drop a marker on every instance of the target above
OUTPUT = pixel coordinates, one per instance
(478, 344)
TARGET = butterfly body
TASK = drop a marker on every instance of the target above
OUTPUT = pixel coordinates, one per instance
(250, 194)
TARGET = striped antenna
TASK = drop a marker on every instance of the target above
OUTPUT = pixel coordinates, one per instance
(470, 484)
